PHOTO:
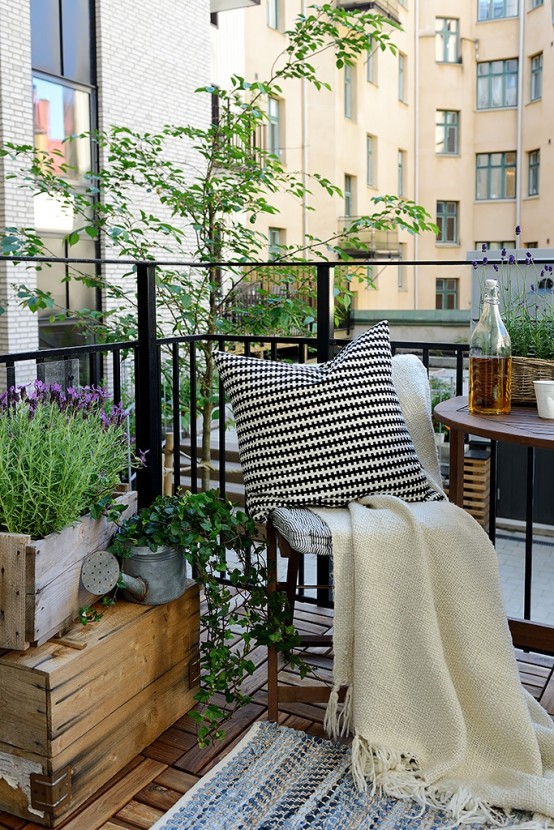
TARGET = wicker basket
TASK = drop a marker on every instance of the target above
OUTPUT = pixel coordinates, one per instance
(524, 371)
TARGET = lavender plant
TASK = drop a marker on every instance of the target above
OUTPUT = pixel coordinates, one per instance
(527, 300)
(60, 452)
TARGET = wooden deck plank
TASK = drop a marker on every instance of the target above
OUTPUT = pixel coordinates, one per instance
(140, 815)
(176, 779)
(157, 796)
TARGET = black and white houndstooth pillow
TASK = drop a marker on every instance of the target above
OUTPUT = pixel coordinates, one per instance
(322, 435)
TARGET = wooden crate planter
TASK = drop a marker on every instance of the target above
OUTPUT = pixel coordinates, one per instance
(40, 588)
(75, 711)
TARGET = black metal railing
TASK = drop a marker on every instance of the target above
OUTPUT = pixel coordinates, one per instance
(179, 358)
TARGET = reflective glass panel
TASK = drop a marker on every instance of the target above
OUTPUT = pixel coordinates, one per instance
(59, 112)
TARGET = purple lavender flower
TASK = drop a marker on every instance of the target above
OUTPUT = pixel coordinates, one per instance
(485, 260)
(518, 230)
(484, 247)
(503, 253)
(495, 266)
(511, 260)
(475, 264)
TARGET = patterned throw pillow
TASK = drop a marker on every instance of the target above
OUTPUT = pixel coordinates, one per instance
(322, 435)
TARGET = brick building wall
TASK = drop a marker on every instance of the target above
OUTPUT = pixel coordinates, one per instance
(18, 328)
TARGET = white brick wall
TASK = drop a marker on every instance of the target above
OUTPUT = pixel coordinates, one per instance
(18, 328)
(149, 64)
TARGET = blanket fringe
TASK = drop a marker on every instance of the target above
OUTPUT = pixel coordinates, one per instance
(338, 720)
(378, 769)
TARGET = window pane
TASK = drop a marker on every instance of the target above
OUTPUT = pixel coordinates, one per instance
(45, 36)
(81, 295)
(51, 278)
(77, 40)
(60, 111)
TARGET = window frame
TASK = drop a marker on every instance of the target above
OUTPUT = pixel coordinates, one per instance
(273, 16)
(447, 126)
(274, 127)
(349, 195)
(371, 145)
(536, 69)
(371, 72)
(401, 171)
(504, 166)
(348, 88)
(533, 172)
(494, 3)
(444, 36)
(443, 217)
(487, 80)
(450, 288)
(402, 77)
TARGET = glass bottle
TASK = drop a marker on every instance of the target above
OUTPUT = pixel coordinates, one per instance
(490, 359)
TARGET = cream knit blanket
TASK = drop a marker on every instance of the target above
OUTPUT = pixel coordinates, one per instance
(434, 699)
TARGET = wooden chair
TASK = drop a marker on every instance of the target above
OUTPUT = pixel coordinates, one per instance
(411, 384)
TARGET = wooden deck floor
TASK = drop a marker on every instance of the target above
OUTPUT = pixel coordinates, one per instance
(141, 793)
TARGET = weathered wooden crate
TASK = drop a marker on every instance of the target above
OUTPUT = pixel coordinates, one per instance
(40, 585)
(76, 710)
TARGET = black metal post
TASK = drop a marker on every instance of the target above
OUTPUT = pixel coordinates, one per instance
(325, 333)
(148, 385)
(493, 492)
(325, 310)
(528, 572)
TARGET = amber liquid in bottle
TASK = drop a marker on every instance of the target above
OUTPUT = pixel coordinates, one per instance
(490, 385)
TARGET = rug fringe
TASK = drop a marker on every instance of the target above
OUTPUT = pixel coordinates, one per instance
(379, 769)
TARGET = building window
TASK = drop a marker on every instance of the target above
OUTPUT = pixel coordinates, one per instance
(274, 114)
(371, 64)
(348, 91)
(401, 272)
(495, 9)
(276, 240)
(371, 145)
(495, 246)
(401, 167)
(536, 77)
(446, 294)
(273, 14)
(536, 3)
(496, 176)
(401, 77)
(349, 184)
(447, 40)
(447, 221)
(446, 132)
(534, 172)
(497, 84)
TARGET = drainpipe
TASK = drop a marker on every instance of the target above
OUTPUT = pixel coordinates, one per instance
(519, 140)
(416, 146)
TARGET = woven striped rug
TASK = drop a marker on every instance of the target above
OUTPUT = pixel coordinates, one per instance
(282, 778)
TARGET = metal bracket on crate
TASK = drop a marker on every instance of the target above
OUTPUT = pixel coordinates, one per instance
(48, 792)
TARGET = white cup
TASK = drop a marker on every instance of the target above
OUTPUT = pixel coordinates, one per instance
(544, 393)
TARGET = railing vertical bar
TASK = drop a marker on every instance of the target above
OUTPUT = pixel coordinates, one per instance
(273, 350)
(302, 353)
(10, 373)
(528, 571)
(148, 384)
(247, 346)
(193, 424)
(222, 431)
(459, 371)
(176, 392)
(116, 371)
(425, 358)
(325, 311)
(493, 494)
(325, 334)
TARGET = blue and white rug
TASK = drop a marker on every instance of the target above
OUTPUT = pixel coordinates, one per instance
(278, 777)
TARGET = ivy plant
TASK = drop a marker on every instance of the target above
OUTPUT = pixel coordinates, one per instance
(228, 558)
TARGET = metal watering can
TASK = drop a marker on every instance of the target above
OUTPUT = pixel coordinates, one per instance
(150, 578)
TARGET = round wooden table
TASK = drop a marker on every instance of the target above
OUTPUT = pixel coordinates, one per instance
(522, 426)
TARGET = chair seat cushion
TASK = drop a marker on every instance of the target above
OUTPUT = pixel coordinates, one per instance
(304, 531)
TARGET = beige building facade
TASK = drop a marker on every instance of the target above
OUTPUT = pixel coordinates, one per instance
(459, 120)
